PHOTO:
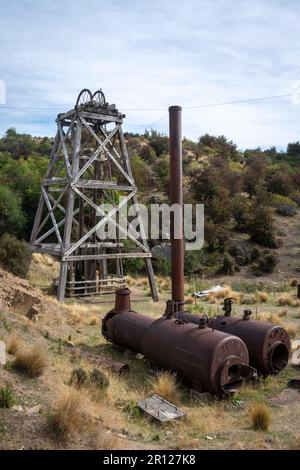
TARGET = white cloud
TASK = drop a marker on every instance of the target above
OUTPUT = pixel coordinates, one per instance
(154, 54)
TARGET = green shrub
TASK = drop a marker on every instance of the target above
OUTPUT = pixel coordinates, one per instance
(284, 205)
(228, 266)
(78, 377)
(12, 220)
(267, 264)
(7, 398)
(14, 255)
(99, 380)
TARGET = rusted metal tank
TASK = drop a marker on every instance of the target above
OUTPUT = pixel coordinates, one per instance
(268, 345)
(208, 360)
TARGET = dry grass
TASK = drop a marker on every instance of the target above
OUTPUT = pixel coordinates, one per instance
(286, 299)
(248, 299)
(283, 312)
(31, 361)
(260, 416)
(189, 299)
(262, 297)
(291, 329)
(93, 321)
(275, 319)
(164, 385)
(14, 344)
(71, 413)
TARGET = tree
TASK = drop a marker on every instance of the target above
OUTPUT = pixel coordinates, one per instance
(158, 141)
(280, 181)
(254, 177)
(293, 149)
(14, 255)
(261, 227)
(12, 219)
(220, 145)
(17, 144)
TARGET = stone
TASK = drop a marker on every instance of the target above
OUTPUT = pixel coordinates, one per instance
(33, 313)
(33, 410)
(295, 359)
(2, 353)
(286, 397)
(17, 408)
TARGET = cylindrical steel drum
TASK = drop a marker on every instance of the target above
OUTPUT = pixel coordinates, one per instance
(268, 344)
(208, 360)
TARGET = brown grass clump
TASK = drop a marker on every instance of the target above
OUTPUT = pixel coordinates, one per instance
(283, 312)
(291, 330)
(275, 319)
(286, 299)
(71, 413)
(164, 385)
(14, 343)
(262, 297)
(31, 361)
(260, 416)
(248, 299)
(93, 321)
(189, 299)
(74, 318)
(294, 282)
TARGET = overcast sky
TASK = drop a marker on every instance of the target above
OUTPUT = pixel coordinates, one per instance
(152, 54)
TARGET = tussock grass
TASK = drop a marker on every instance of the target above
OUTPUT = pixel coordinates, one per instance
(164, 385)
(283, 312)
(291, 329)
(189, 299)
(294, 282)
(262, 297)
(260, 416)
(93, 321)
(286, 299)
(14, 344)
(248, 299)
(71, 413)
(30, 361)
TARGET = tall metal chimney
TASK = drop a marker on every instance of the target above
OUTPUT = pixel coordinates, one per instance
(177, 244)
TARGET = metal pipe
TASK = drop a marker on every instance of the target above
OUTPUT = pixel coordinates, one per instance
(177, 241)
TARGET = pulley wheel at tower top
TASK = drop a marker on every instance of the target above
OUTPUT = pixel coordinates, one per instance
(84, 97)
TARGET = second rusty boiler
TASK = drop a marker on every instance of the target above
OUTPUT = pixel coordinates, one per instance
(206, 359)
(268, 344)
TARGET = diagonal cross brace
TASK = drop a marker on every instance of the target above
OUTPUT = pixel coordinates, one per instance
(108, 217)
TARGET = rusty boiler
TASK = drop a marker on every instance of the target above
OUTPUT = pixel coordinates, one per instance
(207, 359)
(268, 345)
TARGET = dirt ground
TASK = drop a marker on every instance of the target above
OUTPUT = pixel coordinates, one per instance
(218, 424)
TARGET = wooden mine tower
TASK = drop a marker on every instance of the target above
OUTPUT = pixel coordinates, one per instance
(88, 169)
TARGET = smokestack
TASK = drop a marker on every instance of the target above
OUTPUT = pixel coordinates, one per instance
(177, 245)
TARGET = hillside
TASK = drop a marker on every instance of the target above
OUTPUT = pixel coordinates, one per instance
(251, 200)
(62, 334)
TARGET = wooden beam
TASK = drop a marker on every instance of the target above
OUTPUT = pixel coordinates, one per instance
(106, 256)
(95, 184)
(98, 225)
(56, 228)
(100, 148)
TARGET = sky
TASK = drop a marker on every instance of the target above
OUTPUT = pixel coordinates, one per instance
(147, 55)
